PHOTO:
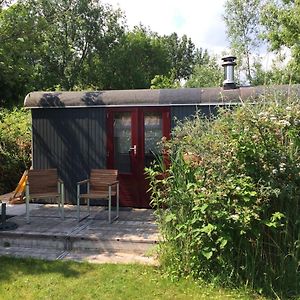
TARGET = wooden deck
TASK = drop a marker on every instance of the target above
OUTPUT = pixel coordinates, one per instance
(130, 239)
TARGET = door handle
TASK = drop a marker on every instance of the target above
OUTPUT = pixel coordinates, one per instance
(133, 149)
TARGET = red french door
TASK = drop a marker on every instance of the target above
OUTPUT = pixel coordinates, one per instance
(132, 137)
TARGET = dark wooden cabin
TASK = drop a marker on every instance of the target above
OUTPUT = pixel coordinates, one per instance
(77, 131)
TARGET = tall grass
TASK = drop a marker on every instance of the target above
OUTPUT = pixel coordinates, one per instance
(228, 204)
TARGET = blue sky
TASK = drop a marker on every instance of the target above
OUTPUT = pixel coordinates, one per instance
(199, 19)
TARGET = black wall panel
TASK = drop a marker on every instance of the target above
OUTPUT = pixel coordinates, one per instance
(180, 113)
(71, 140)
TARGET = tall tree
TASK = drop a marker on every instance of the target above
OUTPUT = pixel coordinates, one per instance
(181, 55)
(45, 44)
(165, 82)
(280, 72)
(206, 73)
(20, 40)
(281, 19)
(75, 30)
(243, 29)
(201, 56)
(80, 44)
(137, 58)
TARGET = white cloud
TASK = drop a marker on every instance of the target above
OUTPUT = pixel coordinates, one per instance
(200, 20)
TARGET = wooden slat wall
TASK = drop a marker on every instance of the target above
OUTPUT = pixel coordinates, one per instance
(188, 111)
(71, 140)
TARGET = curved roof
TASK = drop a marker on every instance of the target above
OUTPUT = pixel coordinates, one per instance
(184, 96)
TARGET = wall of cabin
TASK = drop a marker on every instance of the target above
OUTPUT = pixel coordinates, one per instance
(73, 140)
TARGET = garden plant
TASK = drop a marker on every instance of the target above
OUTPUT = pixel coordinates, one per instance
(227, 201)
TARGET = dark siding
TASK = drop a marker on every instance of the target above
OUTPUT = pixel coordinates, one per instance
(71, 140)
(180, 113)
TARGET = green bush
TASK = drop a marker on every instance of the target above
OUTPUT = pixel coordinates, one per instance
(228, 204)
(15, 147)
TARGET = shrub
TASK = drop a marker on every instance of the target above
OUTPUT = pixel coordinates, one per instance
(15, 147)
(228, 204)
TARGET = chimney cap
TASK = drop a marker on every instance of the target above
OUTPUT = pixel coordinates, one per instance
(229, 58)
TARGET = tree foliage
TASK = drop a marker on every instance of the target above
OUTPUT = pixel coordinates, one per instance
(76, 30)
(15, 147)
(181, 55)
(252, 23)
(279, 73)
(206, 73)
(163, 82)
(46, 44)
(81, 44)
(18, 56)
(282, 22)
(138, 57)
(242, 21)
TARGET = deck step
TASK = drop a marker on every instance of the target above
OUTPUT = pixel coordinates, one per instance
(134, 234)
(101, 241)
(87, 256)
(39, 253)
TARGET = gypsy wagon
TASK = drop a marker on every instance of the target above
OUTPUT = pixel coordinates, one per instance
(119, 129)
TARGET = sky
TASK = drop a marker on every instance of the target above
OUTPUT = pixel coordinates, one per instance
(201, 20)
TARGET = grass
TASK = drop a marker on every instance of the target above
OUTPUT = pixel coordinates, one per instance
(36, 279)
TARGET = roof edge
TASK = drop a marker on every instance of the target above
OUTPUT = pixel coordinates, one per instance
(182, 96)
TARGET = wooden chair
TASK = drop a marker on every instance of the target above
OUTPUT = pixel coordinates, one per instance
(102, 184)
(43, 184)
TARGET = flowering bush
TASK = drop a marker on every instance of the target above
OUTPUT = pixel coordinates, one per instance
(229, 206)
(15, 147)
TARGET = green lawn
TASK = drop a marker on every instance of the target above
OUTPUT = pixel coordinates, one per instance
(36, 279)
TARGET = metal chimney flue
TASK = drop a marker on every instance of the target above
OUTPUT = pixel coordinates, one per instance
(228, 64)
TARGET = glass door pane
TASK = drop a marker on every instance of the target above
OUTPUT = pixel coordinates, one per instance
(153, 135)
(122, 141)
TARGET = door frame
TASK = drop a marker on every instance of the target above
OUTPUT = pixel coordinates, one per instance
(138, 139)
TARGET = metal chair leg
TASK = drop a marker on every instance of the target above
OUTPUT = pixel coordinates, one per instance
(109, 204)
(59, 198)
(62, 201)
(88, 200)
(78, 202)
(27, 204)
(118, 200)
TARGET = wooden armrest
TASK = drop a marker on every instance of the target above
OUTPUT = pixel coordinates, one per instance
(83, 181)
(59, 180)
(113, 183)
